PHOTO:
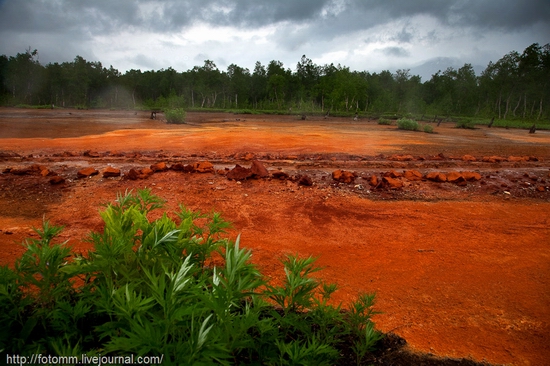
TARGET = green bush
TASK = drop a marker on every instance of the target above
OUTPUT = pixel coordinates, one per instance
(176, 115)
(384, 121)
(407, 124)
(466, 123)
(176, 289)
(428, 129)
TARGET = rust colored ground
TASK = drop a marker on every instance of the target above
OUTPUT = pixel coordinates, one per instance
(457, 272)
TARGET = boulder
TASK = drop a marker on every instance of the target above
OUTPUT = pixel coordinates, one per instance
(493, 159)
(393, 174)
(468, 158)
(111, 172)
(239, 173)
(159, 167)
(413, 175)
(401, 157)
(373, 180)
(133, 174)
(203, 167)
(392, 183)
(514, 159)
(455, 177)
(343, 176)
(57, 180)
(87, 172)
(471, 176)
(259, 170)
(436, 177)
(177, 167)
(279, 174)
(305, 181)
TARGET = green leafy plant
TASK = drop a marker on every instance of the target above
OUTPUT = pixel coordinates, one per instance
(428, 129)
(466, 123)
(174, 288)
(384, 121)
(407, 124)
(175, 115)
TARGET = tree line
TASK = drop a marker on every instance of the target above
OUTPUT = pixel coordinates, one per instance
(515, 86)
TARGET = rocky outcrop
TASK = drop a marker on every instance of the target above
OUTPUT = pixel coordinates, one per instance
(110, 172)
(344, 176)
(87, 172)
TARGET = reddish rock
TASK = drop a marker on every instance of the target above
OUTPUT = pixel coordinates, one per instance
(280, 175)
(87, 172)
(343, 176)
(91, 154)
(471, 176)
(401, 157)
(514, 159)
(239, 173)
(159, 167)
(259, 170)
(111, 172)
(177, 167)
(392, 183)
(147, 172)
(436, 177)
(133, 174)
(393, 174)
(203, 167)
(455, 177)
(413, 175)
(116, 154)
(19, 171)
(373, 180)
(57, 180)
(305, 181)
(468, 158)
(221, 172)
(493, 159)
(541, 188)
(45, 172)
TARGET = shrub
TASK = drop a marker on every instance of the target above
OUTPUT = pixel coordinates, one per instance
(428, 129)
(176, 115)
(174, 289)
(384, 121)
(407, 124)
(466, 123)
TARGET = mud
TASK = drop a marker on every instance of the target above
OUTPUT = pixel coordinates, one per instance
(459, 270)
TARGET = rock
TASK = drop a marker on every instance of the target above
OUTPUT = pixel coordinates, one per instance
(280, 175)
(541, 188)
(146, 172)
(305, 181)
(493, 159)
(514, 159)
(373, 180)
(87, 172)
(436, 177)
(468, 158)
(471, 176)
(111, 172)
(413, 175)
(455, 177)
(393, 174)
(401, 157)
(259, 170)
(392, 183)
(57, 180)
(343, 176)
(159, 167)
(177, 167)
(91, 154)
(133, 174)
(203, 167)
(239, 173)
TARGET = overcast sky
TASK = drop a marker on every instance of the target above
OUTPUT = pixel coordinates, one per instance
(371, 35)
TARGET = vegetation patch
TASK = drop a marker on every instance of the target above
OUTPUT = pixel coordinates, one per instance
(385, 121)
(175, 288)
(176, 115)
(408, 124)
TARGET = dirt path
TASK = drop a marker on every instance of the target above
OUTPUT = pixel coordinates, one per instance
(459, 271)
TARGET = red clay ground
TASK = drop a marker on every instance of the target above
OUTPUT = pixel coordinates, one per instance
(459, 270)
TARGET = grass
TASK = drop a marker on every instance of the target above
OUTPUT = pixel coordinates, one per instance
(174, 288)
(385, 121)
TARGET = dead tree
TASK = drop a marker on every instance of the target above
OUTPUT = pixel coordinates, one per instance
(491, 123)
(533, 129)
(303, 117)
(153, 114)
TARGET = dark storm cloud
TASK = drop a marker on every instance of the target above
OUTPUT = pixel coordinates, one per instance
(395, 52)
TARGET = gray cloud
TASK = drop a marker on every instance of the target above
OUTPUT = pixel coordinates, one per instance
(61, 29)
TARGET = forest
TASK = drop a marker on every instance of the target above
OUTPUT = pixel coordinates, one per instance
(514, 87)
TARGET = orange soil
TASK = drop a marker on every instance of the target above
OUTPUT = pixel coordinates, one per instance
(459, 272)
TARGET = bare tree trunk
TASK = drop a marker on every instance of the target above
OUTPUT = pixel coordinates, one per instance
(540, 109)
(524, 104)
(507, 105)
(517, 105)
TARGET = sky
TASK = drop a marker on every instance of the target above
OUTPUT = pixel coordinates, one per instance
(366, 35)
